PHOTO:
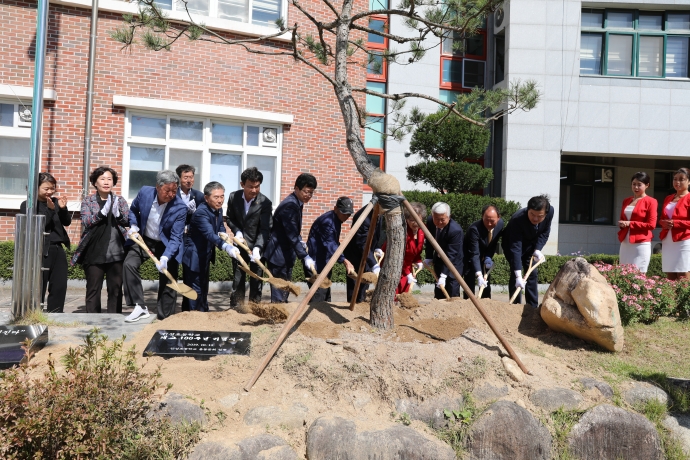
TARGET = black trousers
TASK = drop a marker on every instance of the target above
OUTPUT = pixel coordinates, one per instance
(199, 282)
(94, 283)
(471, 280)
(240, 280)
(361, 294)
(283, 272)
(134, 292)
(55, 278)
(452, 288)
(531, 289)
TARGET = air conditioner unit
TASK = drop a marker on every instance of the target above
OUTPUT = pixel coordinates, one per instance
(500, 18)
(24, 117)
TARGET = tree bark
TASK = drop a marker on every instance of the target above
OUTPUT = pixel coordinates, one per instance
(389, 277)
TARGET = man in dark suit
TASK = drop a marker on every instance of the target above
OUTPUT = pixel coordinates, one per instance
(324, 240)
(249, 217)
(523, 239)
(158, 215)
(481, 242)
(192, 198)
(448, 235)
(355, 250)
(200, 250)
(285, 242)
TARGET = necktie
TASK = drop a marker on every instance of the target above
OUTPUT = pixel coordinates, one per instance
(491, 234)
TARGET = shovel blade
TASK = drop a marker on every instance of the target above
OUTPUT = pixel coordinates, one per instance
(184, 290)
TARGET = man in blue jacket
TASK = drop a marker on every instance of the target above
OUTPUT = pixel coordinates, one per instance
(192, 198)
(158, 215)
(448, 234)
(285, 243)
(203, 239)
(523, 239)
(481, 242)
(324, 239)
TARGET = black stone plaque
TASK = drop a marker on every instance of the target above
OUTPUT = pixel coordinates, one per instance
(11, 339)
(201, 344)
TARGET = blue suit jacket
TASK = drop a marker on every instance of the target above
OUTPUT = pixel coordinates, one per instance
(477, 246)
(171, 225)
(285, 242)
(450, 239)
(202, 238)
(324, 239)
(521, 239)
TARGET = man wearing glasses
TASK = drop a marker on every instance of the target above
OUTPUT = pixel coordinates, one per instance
(285, 244)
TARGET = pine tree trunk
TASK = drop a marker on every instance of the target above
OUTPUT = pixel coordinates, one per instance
(389, 277)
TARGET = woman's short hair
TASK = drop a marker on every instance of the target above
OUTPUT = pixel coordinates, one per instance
(419, 208)
(641, 176)
(98, 172)
(441, 208)
(46, 177)
(683, 171)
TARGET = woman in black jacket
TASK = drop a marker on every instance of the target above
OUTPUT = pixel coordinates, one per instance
(54, 258)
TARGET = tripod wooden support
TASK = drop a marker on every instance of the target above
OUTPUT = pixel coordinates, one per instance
(297, 314)
(474, 300)
(363, 262)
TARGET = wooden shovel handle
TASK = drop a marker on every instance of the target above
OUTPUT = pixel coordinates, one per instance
(243, 263)
(433, 273)
(239, 243)
(137, 239)
(529, 272)
(378, 258)
(486, 277)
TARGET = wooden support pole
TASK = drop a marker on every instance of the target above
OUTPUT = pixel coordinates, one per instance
(297, 314)
(474, 300)
(363, 262)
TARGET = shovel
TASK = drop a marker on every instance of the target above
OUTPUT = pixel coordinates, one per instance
(529, 272)
(242, 263)
(407, 299)
(433, 273)
(277, 282)
(486, 277)
(174, 285)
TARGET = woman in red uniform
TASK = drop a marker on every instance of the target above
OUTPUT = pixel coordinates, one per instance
(638, 219)
(675, 224)
(414, 244)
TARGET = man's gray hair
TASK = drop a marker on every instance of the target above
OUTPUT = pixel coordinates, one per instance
(441, 208)
(167, 177)
(211, 186)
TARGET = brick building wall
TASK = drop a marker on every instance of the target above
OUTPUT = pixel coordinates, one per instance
(195, 72)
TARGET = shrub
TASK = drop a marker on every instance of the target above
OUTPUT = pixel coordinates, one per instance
(98, 407)
(640, 298)
(683, 298)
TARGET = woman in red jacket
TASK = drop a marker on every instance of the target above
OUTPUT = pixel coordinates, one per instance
(675, 224)
(414, 243)
(638, 219)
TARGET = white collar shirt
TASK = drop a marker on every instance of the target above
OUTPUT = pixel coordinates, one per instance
(153, 224)
(247, 204)
(185, 196)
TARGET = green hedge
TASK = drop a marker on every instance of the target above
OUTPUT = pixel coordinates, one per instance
(222, 269)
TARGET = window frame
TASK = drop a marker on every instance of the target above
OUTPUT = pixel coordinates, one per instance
(564, 218)
(460, 86)
(213, 12)
(206, 146)
(16, 131)
(636, 32)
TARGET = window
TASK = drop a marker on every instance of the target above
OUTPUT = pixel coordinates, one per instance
(375, 127)
(586, 194)
(633, 43)
(463, 61)
(500, 61)
(15, 147)
(257, 12)
(219, 150)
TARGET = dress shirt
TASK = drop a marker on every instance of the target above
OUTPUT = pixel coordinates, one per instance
(247, 204)
(185, 196)
(153, 224)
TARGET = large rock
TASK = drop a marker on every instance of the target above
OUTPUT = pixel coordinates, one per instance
(604, 388)
(580, 302)
(332, 438)
(293, 417)
(180, 410)
(608, 432)
(551, 399)
(260, 447)
(429, 411)
(506, 431)
(640, 393)
(679, 425)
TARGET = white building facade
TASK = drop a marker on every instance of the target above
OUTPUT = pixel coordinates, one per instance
(615, 99)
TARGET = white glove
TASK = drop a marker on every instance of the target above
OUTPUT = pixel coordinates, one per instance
(116, 207)
(223, 235)
(441, 281)
(519, 282)
(378, 253)
(376, 269)
(309, 262)
(191, 206)
(488, 263)
(411, 279)
(162, 264)
(538, 256)
(429, 262)
(108, 204)
(231, 250)
(256, 255)
(419, 265)
(481, 282)
(240, 236)
(133, 229)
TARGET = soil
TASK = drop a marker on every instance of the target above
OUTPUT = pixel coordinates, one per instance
(334, 363)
